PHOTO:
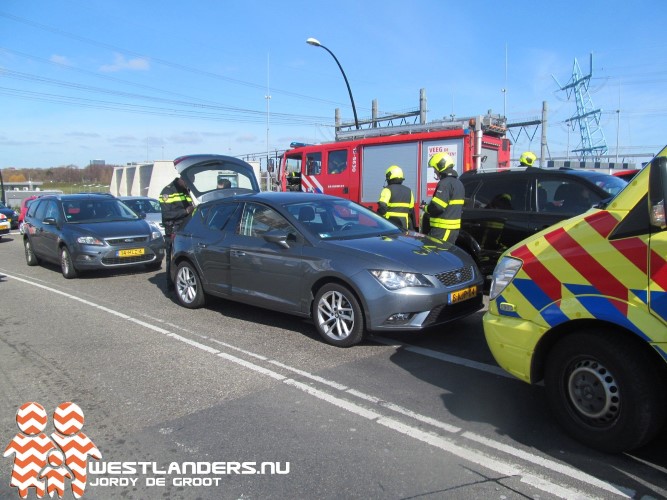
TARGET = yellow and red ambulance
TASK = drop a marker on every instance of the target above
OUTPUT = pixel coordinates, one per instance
(582, 306)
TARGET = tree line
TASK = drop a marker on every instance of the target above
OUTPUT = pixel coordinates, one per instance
(71, 174)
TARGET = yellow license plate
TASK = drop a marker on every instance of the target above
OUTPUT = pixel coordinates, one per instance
(461, 295)
(130, 252)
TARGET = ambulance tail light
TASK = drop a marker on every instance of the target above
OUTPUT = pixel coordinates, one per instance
(658, 190)
(503, 275)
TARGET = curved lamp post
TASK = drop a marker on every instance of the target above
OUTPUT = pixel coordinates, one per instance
(316, 43)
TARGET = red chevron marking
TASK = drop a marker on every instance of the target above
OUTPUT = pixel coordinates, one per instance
(538, 272)
(635, 250)
(588, 267)
(603, 222)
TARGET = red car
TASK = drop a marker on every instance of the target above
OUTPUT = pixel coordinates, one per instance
(24, 209)
(627, 174)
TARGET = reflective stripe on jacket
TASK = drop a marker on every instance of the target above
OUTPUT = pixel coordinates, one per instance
(396, 203)
(174, 201)
(447, 204)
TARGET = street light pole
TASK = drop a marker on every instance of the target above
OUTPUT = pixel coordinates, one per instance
(316, 43)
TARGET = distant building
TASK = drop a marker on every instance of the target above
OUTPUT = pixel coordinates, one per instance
(97, 162)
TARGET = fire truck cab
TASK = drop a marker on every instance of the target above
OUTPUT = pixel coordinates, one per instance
(354, 165)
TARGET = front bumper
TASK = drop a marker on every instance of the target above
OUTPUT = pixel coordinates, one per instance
(96, 257)
(417, 307)
(512, 342)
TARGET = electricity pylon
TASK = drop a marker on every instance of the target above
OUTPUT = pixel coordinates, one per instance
(593, 143)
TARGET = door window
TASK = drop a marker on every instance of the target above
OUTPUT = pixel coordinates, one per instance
(502, 194)
(313, 163)
(220, 215)
(258, 219)
(337, 162)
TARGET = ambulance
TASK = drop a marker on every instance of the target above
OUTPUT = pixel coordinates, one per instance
(582, 306)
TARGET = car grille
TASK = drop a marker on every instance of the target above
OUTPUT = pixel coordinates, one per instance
(446, 313)
(456, 277)
(119, 261)
(126, 240)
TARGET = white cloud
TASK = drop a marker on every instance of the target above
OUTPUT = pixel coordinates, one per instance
(120, 64)
(58, 59)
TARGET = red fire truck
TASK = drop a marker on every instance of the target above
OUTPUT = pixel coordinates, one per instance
(354, 165)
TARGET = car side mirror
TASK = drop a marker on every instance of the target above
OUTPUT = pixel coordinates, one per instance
(50, 221)
(278, 236)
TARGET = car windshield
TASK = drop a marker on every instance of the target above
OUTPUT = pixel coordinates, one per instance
(610, 183)
(338, 218)
(88, 210)
(146, 206)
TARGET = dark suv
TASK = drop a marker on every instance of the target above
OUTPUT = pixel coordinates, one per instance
(89, 231)
(503, 208)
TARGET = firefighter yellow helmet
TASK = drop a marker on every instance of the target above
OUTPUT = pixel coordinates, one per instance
(528, 159)
(441, 162)
(394, 172)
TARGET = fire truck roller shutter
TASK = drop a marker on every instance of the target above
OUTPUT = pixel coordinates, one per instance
(375, 161)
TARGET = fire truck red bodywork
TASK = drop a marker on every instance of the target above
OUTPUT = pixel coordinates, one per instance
(355, 168)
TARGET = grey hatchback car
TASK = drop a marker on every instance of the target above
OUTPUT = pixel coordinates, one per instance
(89, 231)
(322, 257)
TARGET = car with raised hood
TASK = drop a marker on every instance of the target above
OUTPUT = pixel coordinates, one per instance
(89, 231)
(325, 258)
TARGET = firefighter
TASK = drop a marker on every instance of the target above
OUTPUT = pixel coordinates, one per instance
(444, 210)
(527, 159)
(397, 203)
(176, 205)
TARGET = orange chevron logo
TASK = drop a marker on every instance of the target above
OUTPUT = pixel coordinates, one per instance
(44, 463)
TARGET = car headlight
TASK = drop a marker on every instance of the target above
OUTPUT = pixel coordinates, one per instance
(155, 231)
(89, 240)
(395, 280)
(503, 275)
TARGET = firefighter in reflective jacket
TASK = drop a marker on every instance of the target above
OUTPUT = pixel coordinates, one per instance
(397, 202)
(176, 205)
(444, 210)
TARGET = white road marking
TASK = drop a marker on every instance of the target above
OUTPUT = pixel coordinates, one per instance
(437, 441)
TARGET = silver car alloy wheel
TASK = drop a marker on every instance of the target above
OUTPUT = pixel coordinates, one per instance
(335, 315)
(186, 285)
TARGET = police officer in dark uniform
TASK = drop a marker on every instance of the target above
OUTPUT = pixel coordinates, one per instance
(176, 206)
(444, 210)
(397, 202)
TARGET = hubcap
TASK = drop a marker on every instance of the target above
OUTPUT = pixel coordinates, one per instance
(186, 285)
(335, 315)
(594, 391)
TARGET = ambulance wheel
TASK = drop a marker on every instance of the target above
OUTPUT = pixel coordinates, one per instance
(605, 390)
(338, 316)
(189, 291)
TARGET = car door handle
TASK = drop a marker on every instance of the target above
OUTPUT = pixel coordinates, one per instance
(202, 245)
(238, 253)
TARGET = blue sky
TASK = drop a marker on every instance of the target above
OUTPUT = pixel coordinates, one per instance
(137, 80)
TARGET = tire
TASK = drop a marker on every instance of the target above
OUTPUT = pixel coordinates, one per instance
(338, 316)
(605, 390)
(66, 264)
(188, 287)
(30, 257)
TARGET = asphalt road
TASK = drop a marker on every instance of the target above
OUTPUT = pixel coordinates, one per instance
(194, 404)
